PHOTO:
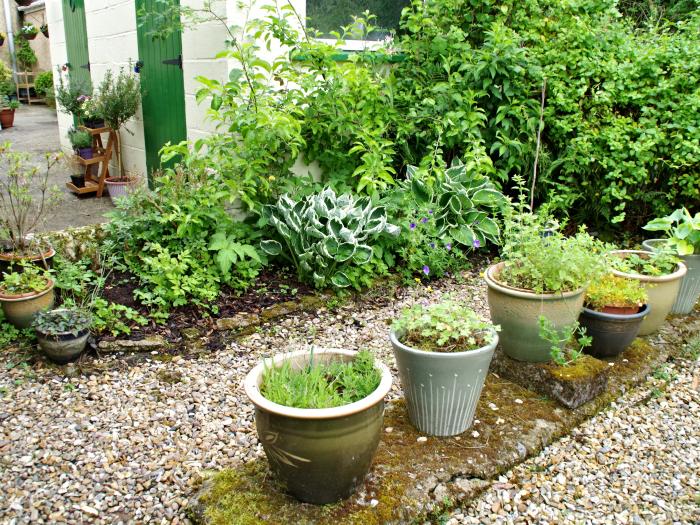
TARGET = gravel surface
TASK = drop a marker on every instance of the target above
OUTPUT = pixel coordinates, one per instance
(128, 445)
(638, 463)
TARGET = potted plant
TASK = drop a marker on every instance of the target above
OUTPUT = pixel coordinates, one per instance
(81, 141)
(23, 3)
(682, 236)
(26, 199)
(118, 101)
(613, 311)
(45, 30)
(71, 95)
(660, 272)
(25, 293)
(62, 333)
(541, 275)
(319, 418)
(28, 31)
(443, 352)
(7, 111)
(90, 113)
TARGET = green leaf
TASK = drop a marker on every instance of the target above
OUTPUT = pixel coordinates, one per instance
(340, 280)
(345, 252)
(271, 247)
(420, 190)
(363, 254)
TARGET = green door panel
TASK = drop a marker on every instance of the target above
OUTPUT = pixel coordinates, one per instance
(77, 43)
(162, 86)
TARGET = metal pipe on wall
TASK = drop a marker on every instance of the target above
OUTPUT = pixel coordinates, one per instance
(10, 38)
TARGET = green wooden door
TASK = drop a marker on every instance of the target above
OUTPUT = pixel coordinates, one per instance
(162, 86)
(77, 43)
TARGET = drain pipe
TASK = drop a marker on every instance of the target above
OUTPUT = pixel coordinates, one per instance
(10, 39)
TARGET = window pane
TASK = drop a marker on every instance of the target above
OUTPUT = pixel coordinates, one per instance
(331, 15)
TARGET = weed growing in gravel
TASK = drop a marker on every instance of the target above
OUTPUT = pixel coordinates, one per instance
(692, 349)
(322, 385)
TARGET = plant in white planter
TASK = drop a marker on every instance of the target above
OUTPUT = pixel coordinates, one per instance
(683, 236)
(319, 416)
(443, 352)
(62, 333)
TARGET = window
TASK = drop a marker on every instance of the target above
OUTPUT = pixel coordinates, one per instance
(331, 15)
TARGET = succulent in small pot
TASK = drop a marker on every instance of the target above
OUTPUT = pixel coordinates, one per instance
(62, 333)
(613, 313)
(319, 417)
(28, 31)
(443, 352)
(24, 294)
(659, 272)
(682, 236)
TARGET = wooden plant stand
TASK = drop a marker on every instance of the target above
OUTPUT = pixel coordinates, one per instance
(100, 155)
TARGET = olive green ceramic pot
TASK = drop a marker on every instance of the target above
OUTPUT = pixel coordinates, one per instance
(320, 454)
(20, 310)
(63, 347)
(441, 389)
(689, 292)
(661, 291)
(518, 312)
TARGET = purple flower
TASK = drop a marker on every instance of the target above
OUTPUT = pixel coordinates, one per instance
(448, 246)
(476, 243)
(432, 245)
(412, 226)
(430, 212)
(424, 220)
(426, 270)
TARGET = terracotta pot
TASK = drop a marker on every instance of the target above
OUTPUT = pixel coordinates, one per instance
(611, 333)
(518, 312)
(7, 118)
(20, 310)
(442, 389)
(689, 292)
(619, 310)
(661, 291)
(320, 454)
(10, 261)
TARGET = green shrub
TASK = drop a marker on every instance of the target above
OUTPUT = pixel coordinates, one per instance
(43, 83)
(26, 58)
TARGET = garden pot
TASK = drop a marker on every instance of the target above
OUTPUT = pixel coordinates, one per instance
(441, 389)
(2, 40)
(84, 153)
(611, 333)
(118, 188)
(518, 312)
(78, 180)
(661, 292)
(45, 32)
(320, 454)
(29, 37)
(63, 348)
(23, 3)
(20, 310)
(94, 124)
(7, 118)
(10, 261)
(689, 292)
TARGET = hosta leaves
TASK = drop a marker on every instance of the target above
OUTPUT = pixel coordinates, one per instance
(340, 280)
(271, 248)
(363, 254)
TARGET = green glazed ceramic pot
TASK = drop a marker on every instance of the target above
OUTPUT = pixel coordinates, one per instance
(441, 389)
(321, 455)
(661, 291)
(518, 312)
(20, 310)
(689, 292)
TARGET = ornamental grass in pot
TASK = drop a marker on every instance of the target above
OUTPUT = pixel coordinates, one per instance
(683, 237)
(24, 294)
(443, 352)
(319, 417)
(63, 333)
(613, 311)
(660, 273)
(540, 276)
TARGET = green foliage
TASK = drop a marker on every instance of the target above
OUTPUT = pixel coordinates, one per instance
(79, 139)
(28, 29)
(30, 279)
(661, 262)
(327, 237)
(322, 385)
(330, 16)
(7, 85)
(43, 83)
(610, 290)
(26, 58)
(681, 229)
(447, 326)
(70, 95)
(61, 321)
(181, 242)
(567, 344)
(118, 97)
(6, 103)
(114, 318)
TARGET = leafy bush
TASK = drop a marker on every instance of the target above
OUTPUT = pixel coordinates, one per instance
(327, 236)
(7, 85)
(26, 58)
(43, 83)
(79, 139)
(181, 242)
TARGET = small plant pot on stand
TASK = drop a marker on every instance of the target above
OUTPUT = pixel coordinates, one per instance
(118, 188)
(441, 389)
(320, 454)
(94, 124)
(612, 333)
(518, 312)
(689, 292)
(20, 310)
(662, 291)
(78, 180)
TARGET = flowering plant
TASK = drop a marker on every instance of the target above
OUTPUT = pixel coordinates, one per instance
(28, 30)
(89, 108)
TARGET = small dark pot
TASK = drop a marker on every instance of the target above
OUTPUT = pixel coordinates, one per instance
(29, 37)
(611, 333)
(45, 32)
(23, 3)
(85, 153)
(94, 124)
(78, 180)
(2, 40)
(63, 348)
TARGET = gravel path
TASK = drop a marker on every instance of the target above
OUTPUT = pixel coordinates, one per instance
(129, 444)
(638, 463)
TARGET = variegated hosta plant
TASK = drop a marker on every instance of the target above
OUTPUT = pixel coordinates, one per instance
(324, 233)
(464, 202)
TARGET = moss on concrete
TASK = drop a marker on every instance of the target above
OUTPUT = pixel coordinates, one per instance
(585, 368)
